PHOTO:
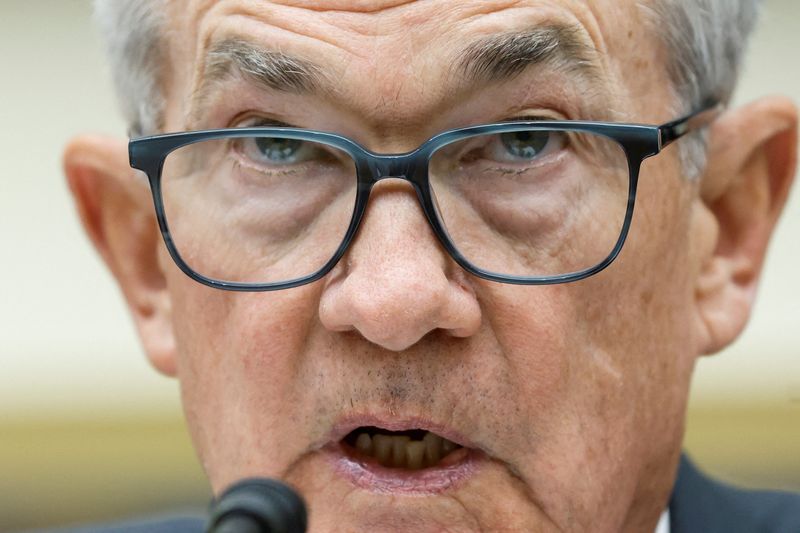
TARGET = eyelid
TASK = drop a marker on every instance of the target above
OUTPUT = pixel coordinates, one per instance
(537, 113)
(254, 121)
(259, 122)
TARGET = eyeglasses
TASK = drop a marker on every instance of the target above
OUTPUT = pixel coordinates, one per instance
(531, 203)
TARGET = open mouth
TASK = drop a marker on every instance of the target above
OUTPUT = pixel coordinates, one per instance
(413, 449)
(413, 457)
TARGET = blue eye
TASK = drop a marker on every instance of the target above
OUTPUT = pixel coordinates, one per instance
(278, 151)
(525, 144)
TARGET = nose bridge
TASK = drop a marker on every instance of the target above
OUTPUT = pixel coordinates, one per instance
(394, 216)
(391, 213)
(395, 284)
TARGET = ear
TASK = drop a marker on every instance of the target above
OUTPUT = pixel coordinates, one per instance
(752, 159)
(114, 204)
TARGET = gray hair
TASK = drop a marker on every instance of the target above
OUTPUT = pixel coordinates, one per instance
(134, 33)
(705, 40)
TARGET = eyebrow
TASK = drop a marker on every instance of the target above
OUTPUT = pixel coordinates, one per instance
(274, 69)
(492, 59)
(269, 69)
(505, 56)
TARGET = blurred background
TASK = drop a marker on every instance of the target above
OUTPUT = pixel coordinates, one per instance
(89, 432)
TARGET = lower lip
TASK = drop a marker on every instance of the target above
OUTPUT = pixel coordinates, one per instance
(368, 474)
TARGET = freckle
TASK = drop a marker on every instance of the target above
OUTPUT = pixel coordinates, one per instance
(647, 297)
(630, 34)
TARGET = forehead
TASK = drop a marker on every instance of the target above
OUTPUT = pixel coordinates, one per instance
(345, 21)
(390, 50)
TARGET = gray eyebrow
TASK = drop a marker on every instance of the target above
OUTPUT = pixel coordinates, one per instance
(491, 59)
(504, 56)
(232, 58)
(273, 69)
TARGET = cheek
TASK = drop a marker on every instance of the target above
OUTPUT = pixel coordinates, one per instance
(641, 312)
(238, 370)
(639, 324)
(596, 359)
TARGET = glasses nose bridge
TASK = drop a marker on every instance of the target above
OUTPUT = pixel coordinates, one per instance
(409, 167)
(393, 166)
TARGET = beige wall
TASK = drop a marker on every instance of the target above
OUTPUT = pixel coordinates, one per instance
(68, 349)
(66, 342)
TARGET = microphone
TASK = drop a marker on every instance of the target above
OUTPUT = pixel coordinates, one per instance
(258, 505)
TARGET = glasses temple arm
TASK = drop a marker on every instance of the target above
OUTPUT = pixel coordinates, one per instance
(672, 131)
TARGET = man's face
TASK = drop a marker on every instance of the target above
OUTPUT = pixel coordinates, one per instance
(568, 399)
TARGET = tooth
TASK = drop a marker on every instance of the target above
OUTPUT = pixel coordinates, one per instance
(399, 450)
(433, 448)
(364, 444)
(415, 450)
(448, 446)
(382, 448)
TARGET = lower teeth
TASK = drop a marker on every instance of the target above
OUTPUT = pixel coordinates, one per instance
(401, 451)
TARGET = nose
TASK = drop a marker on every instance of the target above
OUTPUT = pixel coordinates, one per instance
(396, 284)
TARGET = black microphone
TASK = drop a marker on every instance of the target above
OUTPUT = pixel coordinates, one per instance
(258, 505)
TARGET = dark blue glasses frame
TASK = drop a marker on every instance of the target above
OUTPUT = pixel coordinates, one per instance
(638, 142)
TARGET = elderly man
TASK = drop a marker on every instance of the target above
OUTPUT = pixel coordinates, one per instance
(394, 258)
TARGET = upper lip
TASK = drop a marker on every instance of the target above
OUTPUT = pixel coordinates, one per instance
(348, 423)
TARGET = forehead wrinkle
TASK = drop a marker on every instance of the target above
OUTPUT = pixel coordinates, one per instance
(358, 6)
(331, 28)
(252, 15)
(235, 52)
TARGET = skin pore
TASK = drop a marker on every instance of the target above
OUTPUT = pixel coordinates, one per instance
(574, 394)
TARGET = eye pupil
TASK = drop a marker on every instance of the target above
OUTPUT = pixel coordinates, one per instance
(525, 144)
(278, 150)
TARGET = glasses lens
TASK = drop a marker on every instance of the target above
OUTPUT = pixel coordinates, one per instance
(263, 209)
(532, 202)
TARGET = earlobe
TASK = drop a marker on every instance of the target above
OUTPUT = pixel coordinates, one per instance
(116, 211)
(752, 159)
